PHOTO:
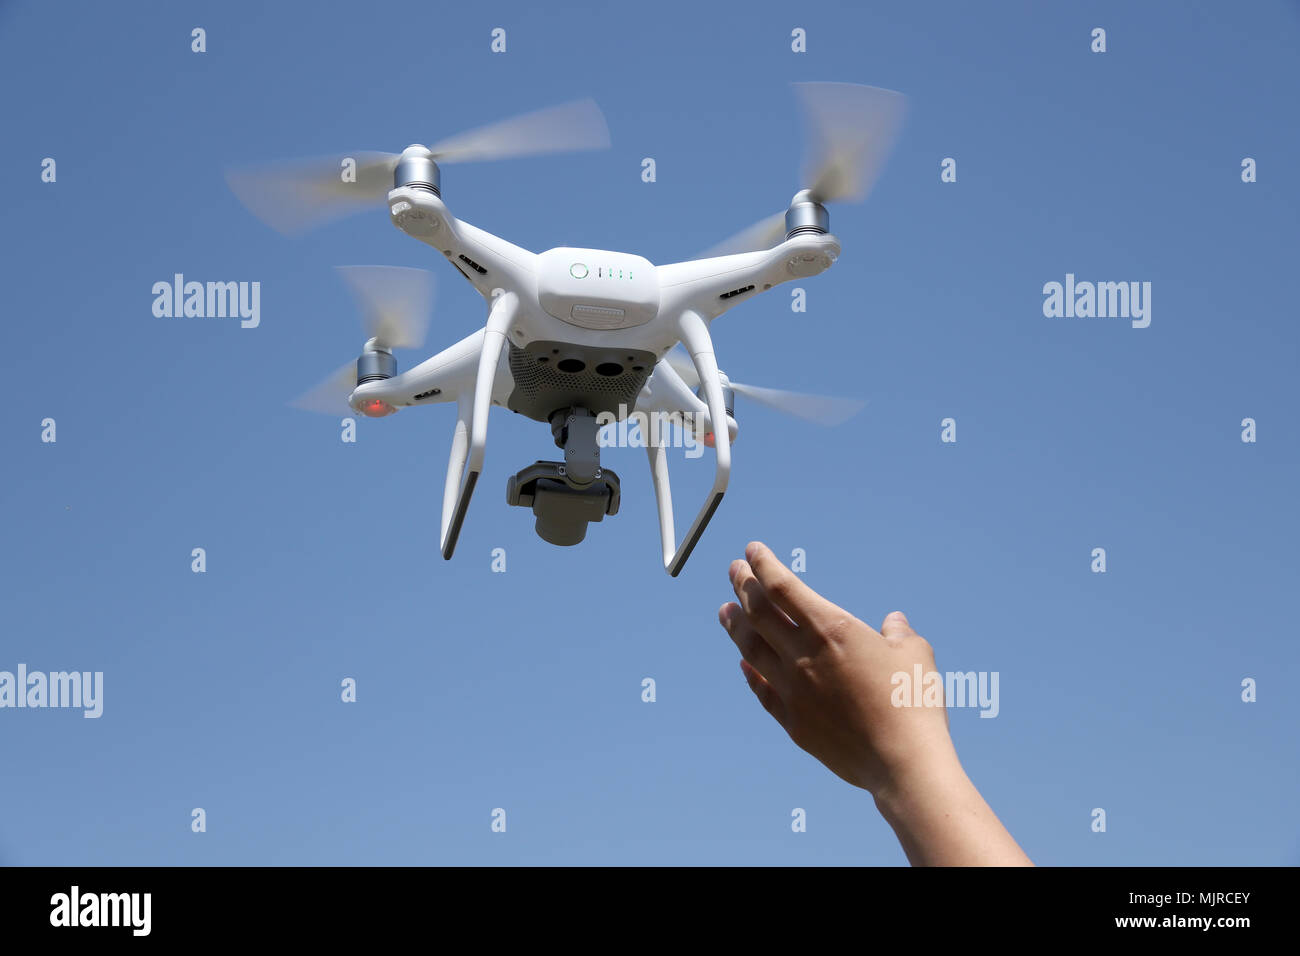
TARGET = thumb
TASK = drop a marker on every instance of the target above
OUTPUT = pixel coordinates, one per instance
(895, 625)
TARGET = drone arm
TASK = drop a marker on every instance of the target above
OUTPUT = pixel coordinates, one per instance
(487, 261)
(468, 450)
(712, 286)
(693, 331)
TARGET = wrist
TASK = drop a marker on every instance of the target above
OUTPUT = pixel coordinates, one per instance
(921, 783)
(940, 819)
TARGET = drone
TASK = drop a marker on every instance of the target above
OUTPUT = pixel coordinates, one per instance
(574, 337)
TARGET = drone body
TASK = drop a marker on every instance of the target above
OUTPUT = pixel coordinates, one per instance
(579, 336)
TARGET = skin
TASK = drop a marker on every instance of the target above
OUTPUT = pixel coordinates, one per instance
(824, 676)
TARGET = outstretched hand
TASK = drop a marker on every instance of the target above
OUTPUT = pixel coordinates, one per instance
(826, 677)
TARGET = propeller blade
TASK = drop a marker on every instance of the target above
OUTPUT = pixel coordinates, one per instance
(330, 397)
(851, 130)
(396, 303)
(763, 234)
(557, 129)
(294, 197)
(818, 409)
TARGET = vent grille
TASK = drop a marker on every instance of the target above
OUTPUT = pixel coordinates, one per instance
(478, 268)
(533, 377)
(598, 310)
(735, 292)
(599, 380)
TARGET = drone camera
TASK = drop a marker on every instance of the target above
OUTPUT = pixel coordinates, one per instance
(563, 511)
(567, 496)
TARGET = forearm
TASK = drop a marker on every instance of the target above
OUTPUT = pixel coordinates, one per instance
(941, 820)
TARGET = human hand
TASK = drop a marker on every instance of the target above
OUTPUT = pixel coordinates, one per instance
(824, 676)
(827, 679)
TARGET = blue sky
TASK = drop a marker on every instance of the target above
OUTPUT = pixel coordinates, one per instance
(522, 690)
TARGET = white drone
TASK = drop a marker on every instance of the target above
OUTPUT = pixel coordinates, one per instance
(574, 335)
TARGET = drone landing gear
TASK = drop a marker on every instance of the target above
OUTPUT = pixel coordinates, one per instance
(566, 496)
(693, 332)
(469, 441)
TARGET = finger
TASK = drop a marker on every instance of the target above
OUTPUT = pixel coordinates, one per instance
(753, 648)
(896, 626)
(777, 629)
(786, 590)
(768, 697)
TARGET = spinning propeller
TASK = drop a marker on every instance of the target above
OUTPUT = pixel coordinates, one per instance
(396, 305)
(818, 409)
(294, 197)
(851, 130)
